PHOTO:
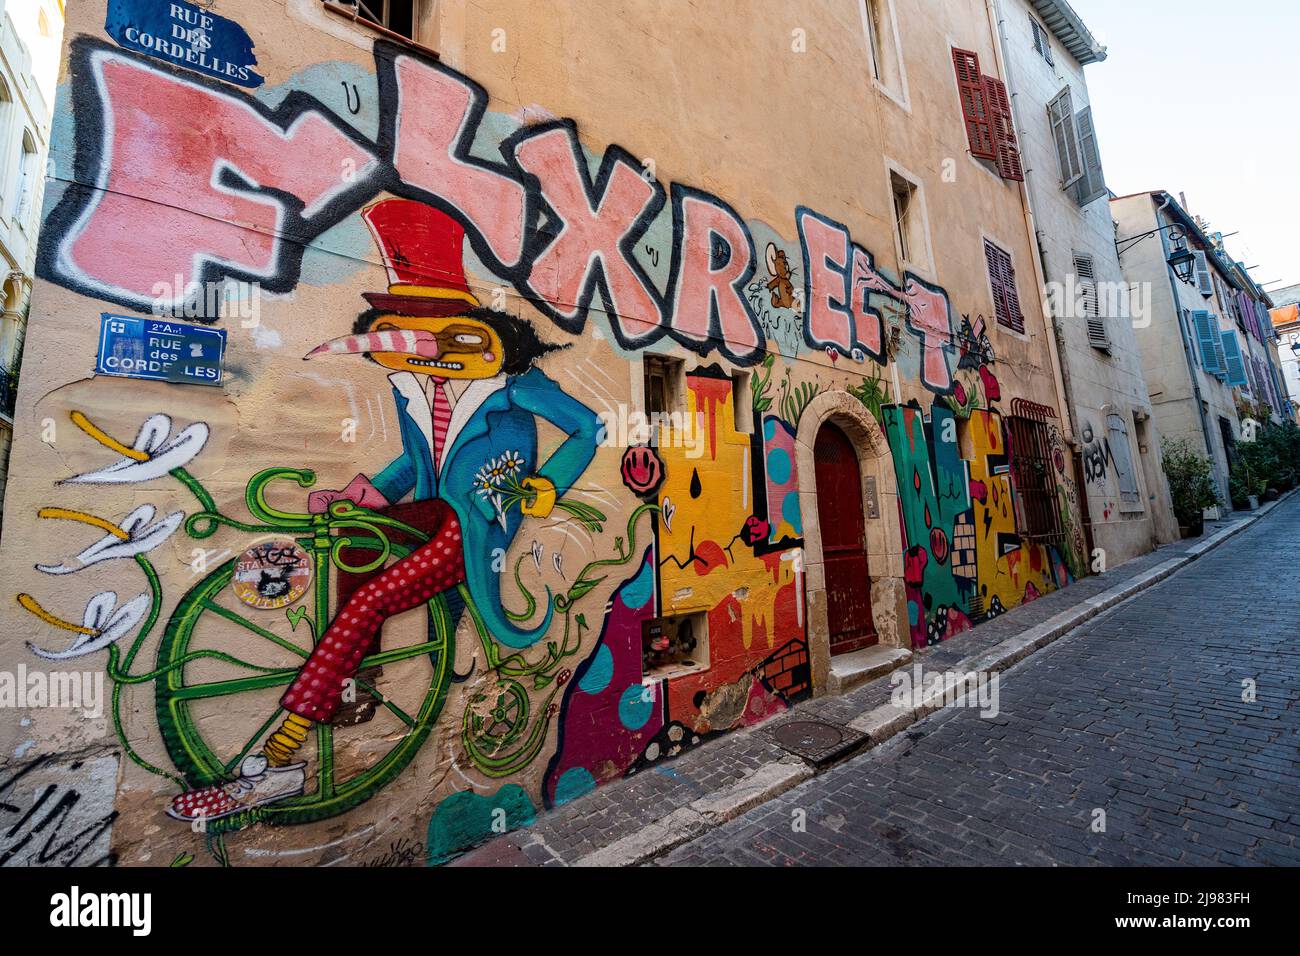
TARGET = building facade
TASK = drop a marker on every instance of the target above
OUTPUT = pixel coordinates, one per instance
(1116, 451)
(1207, 351)
(29, 56)
(1285, 317)
(420, 439)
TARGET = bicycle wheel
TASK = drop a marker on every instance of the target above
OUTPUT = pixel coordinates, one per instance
(254, 691)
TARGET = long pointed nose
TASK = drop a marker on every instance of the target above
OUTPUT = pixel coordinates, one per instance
(412, 341)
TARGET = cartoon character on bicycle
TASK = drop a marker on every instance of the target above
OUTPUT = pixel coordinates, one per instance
(468, 398)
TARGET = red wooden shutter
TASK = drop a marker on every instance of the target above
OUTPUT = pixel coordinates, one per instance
(974, 104)
(1002, 279)
(1004, 130)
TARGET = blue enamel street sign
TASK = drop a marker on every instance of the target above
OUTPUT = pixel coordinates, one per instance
(160, 350)
(181, 33)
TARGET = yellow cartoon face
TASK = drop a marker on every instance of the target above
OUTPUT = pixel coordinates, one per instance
(454, 347)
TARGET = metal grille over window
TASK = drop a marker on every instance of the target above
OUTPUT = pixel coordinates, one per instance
(1032, 472)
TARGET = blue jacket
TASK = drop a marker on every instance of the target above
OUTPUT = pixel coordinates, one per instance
(491, 417)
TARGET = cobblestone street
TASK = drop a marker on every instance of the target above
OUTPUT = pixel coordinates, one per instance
(1139, 714)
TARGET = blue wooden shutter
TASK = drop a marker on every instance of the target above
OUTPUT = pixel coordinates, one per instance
(1232, 352)
(1205, 341)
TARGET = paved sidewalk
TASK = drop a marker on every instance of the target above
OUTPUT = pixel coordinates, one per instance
(639, 818)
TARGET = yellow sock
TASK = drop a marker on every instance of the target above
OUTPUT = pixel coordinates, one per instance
(284, 742)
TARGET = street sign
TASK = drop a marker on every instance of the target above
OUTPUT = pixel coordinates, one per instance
(160, 350)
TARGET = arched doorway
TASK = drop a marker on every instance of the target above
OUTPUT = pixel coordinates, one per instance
(844, 545)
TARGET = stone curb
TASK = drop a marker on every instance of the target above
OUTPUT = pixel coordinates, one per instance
(684, 824)
(881, 723)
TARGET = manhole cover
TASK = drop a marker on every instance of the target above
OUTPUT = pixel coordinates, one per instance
(816, 741)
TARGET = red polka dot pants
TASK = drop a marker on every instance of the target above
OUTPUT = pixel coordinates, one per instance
(317, 691)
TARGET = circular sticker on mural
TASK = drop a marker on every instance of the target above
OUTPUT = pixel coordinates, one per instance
(272, 574)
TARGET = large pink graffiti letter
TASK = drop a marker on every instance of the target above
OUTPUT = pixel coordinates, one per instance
(436, 118)
(595, 221)
(713, 258)
(928, 318)
(182, 184)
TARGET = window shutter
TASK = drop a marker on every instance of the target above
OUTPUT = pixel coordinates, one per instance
(974, 104)
(1061, 113)
(1002, 279)
(1204, 281)
(1232, 353)
(1092, 185)
(1276, 389)
(1004, 130)
(1083, 271)
(1221, 373)
(1205, 338)
(1042, 43)
(1122, 456)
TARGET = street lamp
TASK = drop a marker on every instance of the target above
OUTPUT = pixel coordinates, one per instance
(1183, 261)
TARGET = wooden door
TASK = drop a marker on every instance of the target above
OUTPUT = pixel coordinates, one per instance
(844, 541)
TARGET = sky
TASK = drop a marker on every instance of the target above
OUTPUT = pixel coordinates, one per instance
(1203, 97)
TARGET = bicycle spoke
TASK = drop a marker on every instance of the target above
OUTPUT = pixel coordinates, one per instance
(397, 711)
(226, 687)
(259, 631)
(252, 741)
(325, 761)
(403, 653)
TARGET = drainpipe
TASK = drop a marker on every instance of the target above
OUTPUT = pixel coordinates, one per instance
(1165, 200)
(1031, 230)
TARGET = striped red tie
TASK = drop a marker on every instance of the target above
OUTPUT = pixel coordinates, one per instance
(441, 419)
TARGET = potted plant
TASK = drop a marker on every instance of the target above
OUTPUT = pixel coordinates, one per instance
(1191, 485)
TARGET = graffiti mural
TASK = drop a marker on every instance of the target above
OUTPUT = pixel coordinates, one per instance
(398, 565)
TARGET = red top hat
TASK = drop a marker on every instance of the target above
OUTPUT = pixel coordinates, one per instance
(423, 253)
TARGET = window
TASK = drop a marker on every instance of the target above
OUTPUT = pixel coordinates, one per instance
(742, 402)
(1089, 306)
(910, 232)
(1205, 336)
(26, 183)
(1061, 114)
(1121, 454)
(974, 104)
(886, 59)
(986, 111)
(1031, 475)
(662, 385)
(1042, 41)
(395, 15)
(1005, 143)
(1233, 362)
(1092, 183)
(1002, 281)
(1204, 281)
(672, 646)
